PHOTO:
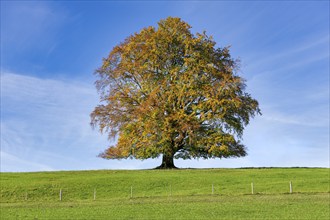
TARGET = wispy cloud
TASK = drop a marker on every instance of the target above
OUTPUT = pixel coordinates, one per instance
(292, 87)
(283, 142)
(30, 24)
(285, 59)
(43, 116)
(10, 163)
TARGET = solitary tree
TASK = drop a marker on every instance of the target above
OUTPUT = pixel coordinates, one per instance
(165, 91)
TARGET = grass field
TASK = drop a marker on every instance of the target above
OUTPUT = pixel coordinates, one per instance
(167, 194)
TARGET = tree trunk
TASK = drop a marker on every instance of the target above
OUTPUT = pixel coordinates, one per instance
(167, 162)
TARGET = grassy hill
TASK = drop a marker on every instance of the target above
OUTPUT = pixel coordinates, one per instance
(167, 194)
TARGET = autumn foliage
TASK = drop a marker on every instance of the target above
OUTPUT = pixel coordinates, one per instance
(165, 91)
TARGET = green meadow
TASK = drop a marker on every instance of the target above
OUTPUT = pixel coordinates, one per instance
(167, 194)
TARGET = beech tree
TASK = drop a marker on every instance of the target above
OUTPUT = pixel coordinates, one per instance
(167, 92)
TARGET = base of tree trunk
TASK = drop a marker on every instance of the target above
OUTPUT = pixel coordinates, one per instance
(162, 167)
(167, 162)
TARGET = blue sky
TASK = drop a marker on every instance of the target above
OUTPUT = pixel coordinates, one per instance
(49, 51)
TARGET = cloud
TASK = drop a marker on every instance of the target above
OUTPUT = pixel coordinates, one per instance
(283, 143)
(10, 163)
(304, 53)
(44, 120)
(30, 24)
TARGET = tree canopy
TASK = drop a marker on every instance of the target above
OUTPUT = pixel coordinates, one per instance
(165, 91)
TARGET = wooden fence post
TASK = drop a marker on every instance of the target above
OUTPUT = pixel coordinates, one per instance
(131, 191)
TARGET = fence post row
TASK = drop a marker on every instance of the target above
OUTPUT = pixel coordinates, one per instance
(170, 191)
